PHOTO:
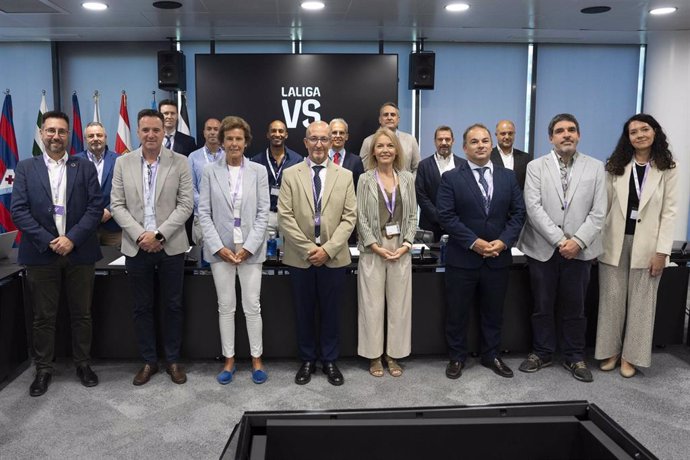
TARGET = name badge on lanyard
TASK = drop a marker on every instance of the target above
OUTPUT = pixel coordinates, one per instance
(638, 187)
(391, 228)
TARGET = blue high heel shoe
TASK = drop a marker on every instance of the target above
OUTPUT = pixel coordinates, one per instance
(225, 377)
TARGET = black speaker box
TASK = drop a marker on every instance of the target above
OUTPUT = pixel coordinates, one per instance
(172, 75)
(422, 70)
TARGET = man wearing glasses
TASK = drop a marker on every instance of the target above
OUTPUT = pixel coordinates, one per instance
(152, 198)
(56, 204)
(317, 211)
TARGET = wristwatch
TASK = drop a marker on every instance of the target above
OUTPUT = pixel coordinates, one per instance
(159, 236)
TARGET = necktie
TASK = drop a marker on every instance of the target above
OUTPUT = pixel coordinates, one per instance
(336, 158)
(168, 141)
(317, 201)
(485, 186)
(564, 175)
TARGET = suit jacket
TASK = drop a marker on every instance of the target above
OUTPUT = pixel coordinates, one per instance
(461, 212)
(183, 144)
(217, 216)
(368, 220)
(410, 148)
(109, 158)
(655, 216)
(353, 163)
(520, 160)
(174, 200)
(296, 214)
(426, 184)
(549, 221)
(32, 211)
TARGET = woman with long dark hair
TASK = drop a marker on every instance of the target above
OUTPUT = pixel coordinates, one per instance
(638, 234)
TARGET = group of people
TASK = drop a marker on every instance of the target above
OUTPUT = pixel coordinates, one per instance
(570, 212)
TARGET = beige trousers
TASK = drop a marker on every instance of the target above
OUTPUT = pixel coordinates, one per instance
(621, 328)
(382, 284)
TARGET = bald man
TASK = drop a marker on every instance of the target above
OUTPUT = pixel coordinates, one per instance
(505, 155)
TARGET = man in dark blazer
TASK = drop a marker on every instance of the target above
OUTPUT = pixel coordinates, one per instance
(348, 160)
(109, 233)
(429, 178)
(481, 207)
(505, 155)
(56, 204)
(174, 140)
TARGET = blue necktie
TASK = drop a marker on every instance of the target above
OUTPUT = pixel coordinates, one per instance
(485, 186)
(168, 141)
(317, 201)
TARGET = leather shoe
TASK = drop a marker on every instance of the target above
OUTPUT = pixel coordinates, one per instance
(144, 374)
(454, 369)
(177, 374)
(498, 366)
(40, 384)
(304, 373)
(87, 376)
(335, 377)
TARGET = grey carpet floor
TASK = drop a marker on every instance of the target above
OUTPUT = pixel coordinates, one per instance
(163, 420)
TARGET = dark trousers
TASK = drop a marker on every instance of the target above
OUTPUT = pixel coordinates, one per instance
(141, 271)
(464, 289)
(560, 285)
(45, 283)
(320, 286)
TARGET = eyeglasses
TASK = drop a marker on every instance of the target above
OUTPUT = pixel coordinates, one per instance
(316, 140)
(53, 131)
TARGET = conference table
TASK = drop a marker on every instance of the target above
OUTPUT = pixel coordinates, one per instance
(113, 331)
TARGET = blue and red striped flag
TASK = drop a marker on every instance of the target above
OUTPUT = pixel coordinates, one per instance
(77, 143)
(8, 161)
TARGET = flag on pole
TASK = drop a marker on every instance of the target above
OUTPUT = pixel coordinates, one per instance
(123, 143)
(8, 161)
(96, 108)
(183, 119)
(77, 142)
(154, 104)
(38, 147)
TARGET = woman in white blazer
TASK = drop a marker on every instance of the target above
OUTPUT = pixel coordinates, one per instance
(386, 225)
(233, 212)
(638, 234)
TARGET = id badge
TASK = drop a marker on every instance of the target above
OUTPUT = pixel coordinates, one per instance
(58, 210)
(633, 214)
(238, 222)
(275, 191)
(392, 229)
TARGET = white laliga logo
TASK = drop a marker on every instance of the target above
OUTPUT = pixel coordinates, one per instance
(306, 107)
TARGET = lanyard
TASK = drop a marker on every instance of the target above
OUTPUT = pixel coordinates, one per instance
(61, 167)
(237, 185)
(276, 176)
(638, 186)
(317, 197)
(150, 182)
(390, 204)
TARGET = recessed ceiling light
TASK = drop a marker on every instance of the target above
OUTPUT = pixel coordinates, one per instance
(313, 5)
(665, 10)
(457, 7)
(167, 5)
(595, 9)
(94, 6)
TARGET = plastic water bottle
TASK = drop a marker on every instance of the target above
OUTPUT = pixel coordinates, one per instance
(444, 243)
(272, 245)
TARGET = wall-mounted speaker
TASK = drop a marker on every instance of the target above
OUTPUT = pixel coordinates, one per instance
(422, 70)
(172, 75)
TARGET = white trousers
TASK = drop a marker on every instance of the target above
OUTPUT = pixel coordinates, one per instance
(382, 284)
(250, 279)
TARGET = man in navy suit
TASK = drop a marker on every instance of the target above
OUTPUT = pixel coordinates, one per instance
(481, 207)
(56, 204)
(504, 154)
(429, 178)
(109, 233)
(174, 140)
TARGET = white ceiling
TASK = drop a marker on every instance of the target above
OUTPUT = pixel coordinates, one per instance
(519, 21)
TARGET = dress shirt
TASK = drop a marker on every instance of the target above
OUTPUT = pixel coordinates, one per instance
(171, 136)
(508, 158)
(444, 164)
(198, 160)
(98, 163)
(331, 154)
(489, 177)
(149, 192)
(235, 190)
(322, 175)
(57, 174)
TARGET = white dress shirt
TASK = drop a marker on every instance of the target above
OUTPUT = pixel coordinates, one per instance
(57, 174)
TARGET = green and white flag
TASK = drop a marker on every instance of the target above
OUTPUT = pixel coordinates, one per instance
(38, 147)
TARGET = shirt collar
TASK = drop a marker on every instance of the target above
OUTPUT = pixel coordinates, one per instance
(49, 160)
(474, 166)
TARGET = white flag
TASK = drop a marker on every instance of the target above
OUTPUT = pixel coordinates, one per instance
(96, 108)
(38, 147)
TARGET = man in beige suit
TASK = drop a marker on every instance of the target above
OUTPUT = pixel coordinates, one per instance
(151, 199)
(317, 213)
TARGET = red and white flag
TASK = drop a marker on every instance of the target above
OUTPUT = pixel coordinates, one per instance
(123, 144)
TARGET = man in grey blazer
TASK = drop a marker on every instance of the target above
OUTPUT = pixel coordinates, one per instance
(565, 194)
(389, 117)
(151, 199)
